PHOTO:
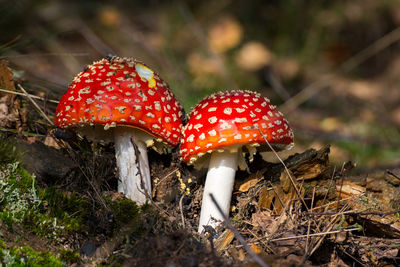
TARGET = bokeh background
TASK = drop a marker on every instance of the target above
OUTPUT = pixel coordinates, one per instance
(332, 67)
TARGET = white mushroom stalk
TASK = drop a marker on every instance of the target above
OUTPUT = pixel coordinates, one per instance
(219, 182)
(133, 165)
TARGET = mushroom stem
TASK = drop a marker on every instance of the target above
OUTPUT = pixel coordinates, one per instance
(219, 182)
(133, 166)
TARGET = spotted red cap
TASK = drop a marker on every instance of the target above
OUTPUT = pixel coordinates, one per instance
(227, 119)
(121, 92)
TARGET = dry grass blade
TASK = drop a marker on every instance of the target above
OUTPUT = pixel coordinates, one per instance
(328, 228)
(286, 169)
(48, 55)
(278, 197)
(239, 237)
(309, 225)
(315, 234)
(25, 94)
(36, 105)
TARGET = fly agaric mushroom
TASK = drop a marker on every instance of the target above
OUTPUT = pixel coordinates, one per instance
(220, 128)
(124, 101)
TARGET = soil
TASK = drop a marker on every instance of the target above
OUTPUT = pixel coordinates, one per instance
(305, 214)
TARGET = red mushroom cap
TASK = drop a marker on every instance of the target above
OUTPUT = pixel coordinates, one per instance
(121, 92)
(233, 118)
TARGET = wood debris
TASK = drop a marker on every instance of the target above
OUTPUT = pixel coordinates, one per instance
(10, 107)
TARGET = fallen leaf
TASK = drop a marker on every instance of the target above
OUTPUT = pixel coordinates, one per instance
(331, 124)
(279, 196)
(50, 141)
(9, 105)
(256, 249)
(110, 16)
(253, 56)
(224, 239)
(201, 65)
(244, 187)
(225, 34)
(264, 221)
(347, 189)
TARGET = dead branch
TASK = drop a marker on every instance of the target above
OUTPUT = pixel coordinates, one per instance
(331, 213)
(36, 105)
(239, 237)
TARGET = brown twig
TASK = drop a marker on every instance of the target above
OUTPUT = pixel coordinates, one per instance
(331, 203)
(239, 237)
(162, 179)
(327, 229)
(284, 165)
(352, 213)
(392, 174)
(48, 55)
(341, 188)
(25, 94)
(309, 227)
(36, 105)
(279, 198)
(315, 234)
(261, 241)
(331, 182)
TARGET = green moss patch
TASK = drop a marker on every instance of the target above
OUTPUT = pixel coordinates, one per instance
(26, 256)
(48, 213)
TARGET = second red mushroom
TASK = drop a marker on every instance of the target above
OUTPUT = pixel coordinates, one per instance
(220, 129)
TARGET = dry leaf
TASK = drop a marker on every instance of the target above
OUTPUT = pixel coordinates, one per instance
(50, 141)
(224, 239)
(110, 16)
(286, 68)
(364, 90)
(347, 189)
(253, 56)
(246, 185)
(264, 221)
(242, 255)
(9, 105)
(265, 198)
(282, 194)
(225, 34)
(256, 249)
(331, 124)
(201, 65)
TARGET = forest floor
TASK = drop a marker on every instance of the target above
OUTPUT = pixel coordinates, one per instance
(332, 69)
(59, 206)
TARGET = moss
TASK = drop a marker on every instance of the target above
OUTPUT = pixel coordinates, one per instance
(115, 261)
(16, 199)
(8, 151)
(69, 256)
(48, 213)
(125, 210)
(27, 256)
(70, 209)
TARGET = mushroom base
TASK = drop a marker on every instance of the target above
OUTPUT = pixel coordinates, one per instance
(219, 182)
(133, 165)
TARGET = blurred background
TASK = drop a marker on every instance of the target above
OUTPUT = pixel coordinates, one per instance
(332, 67)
